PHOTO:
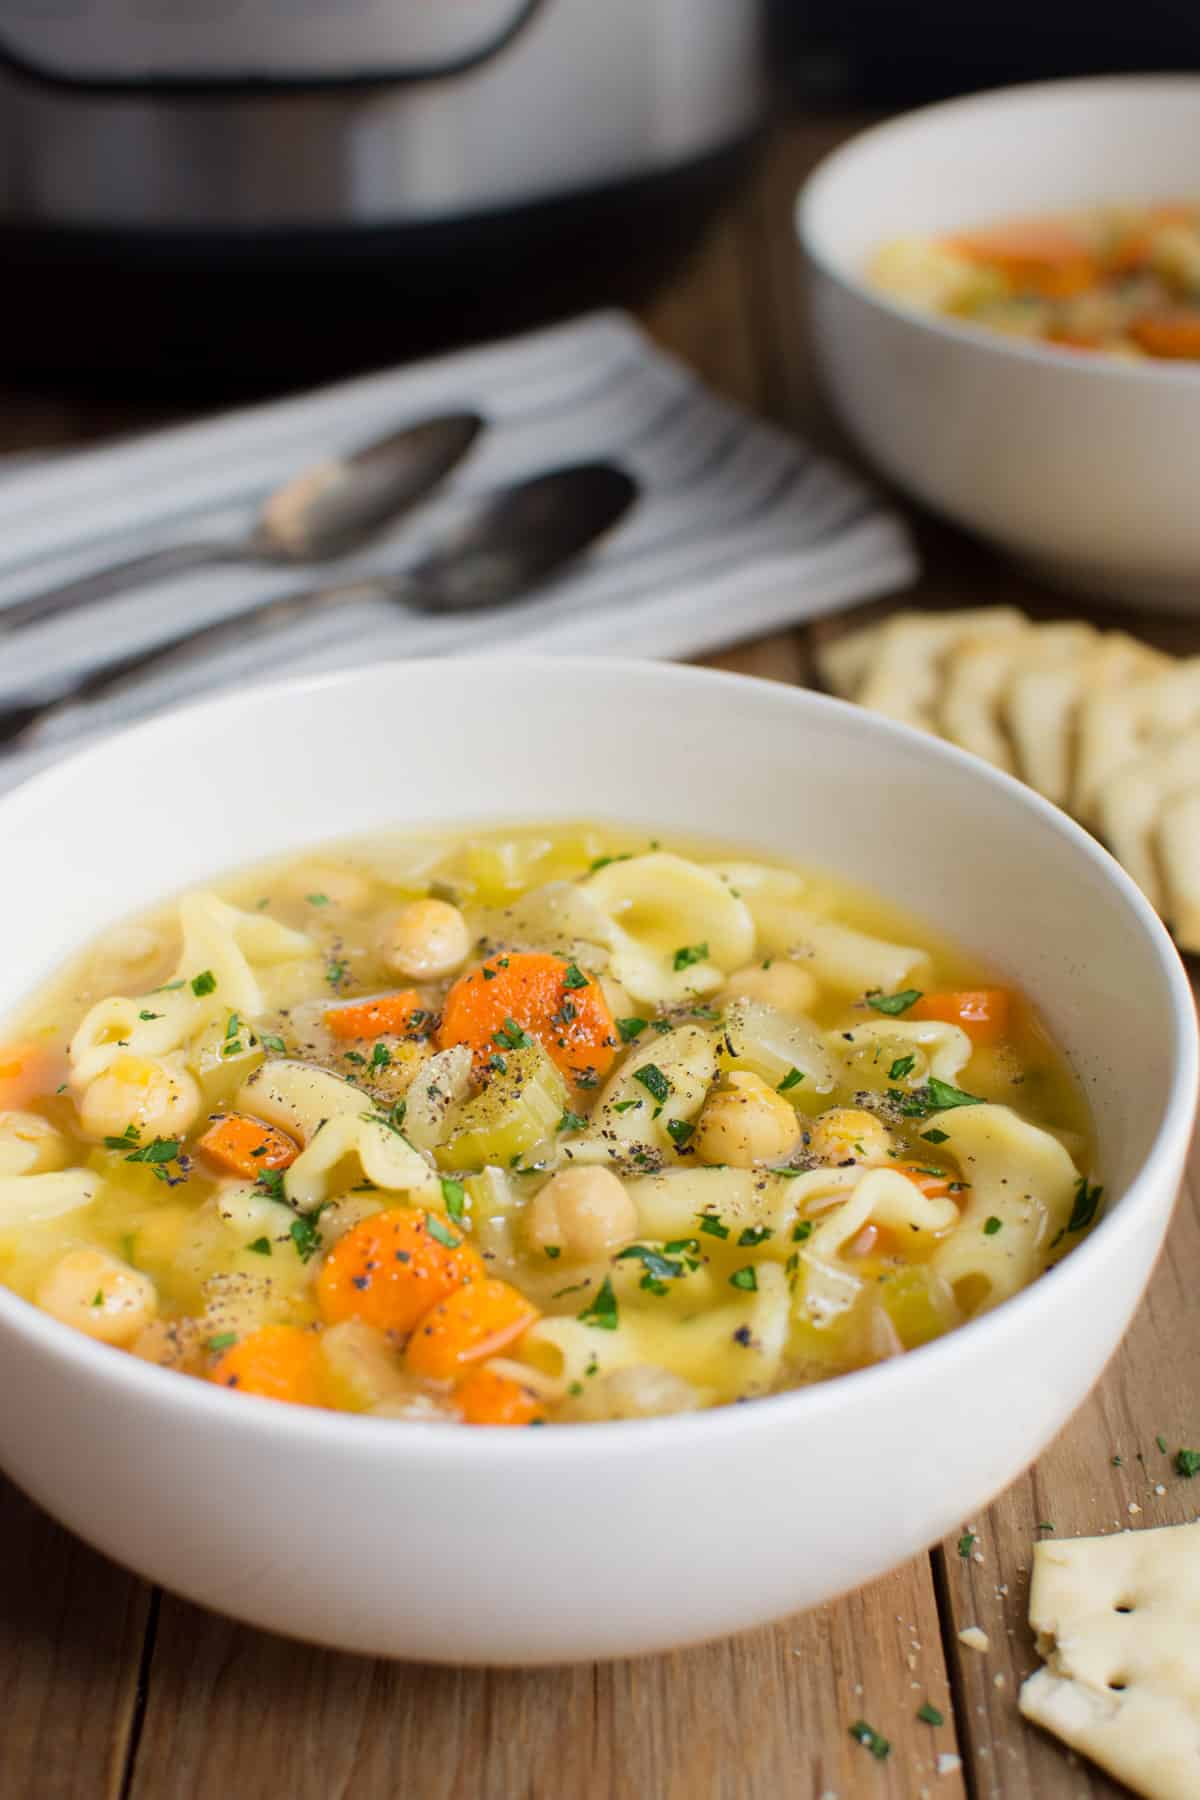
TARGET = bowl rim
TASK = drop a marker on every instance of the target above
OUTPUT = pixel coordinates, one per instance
(331, 1432)
(1150, 370)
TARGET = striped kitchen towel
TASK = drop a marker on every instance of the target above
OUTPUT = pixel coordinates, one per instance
(739, 529)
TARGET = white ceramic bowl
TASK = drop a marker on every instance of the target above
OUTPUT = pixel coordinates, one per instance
(493, 1546)
(1081, 465)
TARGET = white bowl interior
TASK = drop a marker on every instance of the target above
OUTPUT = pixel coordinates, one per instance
(231, 782)
(1024, 150)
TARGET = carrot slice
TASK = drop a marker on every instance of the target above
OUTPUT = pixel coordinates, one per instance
(1175, 335)
(490, 1399)
(983, 1013)
(472, 1323)
(383, 1013)
(280, 1362)
(935, 1185)
(537, 993)
(244, 1145)
(1045, 255)
(391, 1268)
(28, 1072)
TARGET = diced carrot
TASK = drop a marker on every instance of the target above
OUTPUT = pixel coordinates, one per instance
(934, 1184)
(1175, 335)
(472, 1323)
(383, 1013)
(390, 1269)
(490, 1399)
(1046, 256)
(541, 994)
(983, 1013)
(280, 1362)
(244, 1146)
(28, 1072)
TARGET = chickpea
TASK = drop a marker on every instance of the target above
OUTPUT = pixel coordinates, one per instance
(343, 888)
(29, 1145)
(786, 986)
(156, 1098)
(746, 1122)
(425, 939)
(583, 1212)
(99, 1295)
(848, 1134)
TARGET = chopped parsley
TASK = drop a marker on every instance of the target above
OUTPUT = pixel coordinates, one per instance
(512, 1037)
(336, 972)
(271, 1042)
(395, 1117)
(223, 1340)
(801, 1231)
(1087, 1199)
(572, 1121)
(306, 1235)
(624, 1106)
(992, 1226)
(129, 1136)
(929, 1715)
(1161, 1441)
(870, 1739)
(575, 977)
(659, 1268)
(688, 954)
(745, 1278)
(149, 1015)
(454, 1194)
(204, 983)
(1187, 1463)
(602, 862)
(317, 899)
(271, 1183)
(168, 987)
(679, 1131)
(753, 1234)
(1045, 1525)
(792, 1079)
(159, 1153)
(437, 1230)
(654, 1081)
(602, 1311)
(98, 1297)
(932, 1096)
(966, 1544)
(893, 1004)
(934, 1136)
(631, 1028)
(381, 1056)
(903, 1065)
(553, 1251)
(261, 1246)
(712, 1226)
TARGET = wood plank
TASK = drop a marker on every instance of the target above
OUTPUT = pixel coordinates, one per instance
(71, 1631)
(1151, 1388)
(751, 1718)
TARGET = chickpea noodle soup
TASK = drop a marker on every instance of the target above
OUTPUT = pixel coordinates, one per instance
(528, 1125)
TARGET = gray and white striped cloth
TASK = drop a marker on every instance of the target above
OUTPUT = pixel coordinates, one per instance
(740, 529)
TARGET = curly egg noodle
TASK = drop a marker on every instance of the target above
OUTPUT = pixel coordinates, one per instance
(527, 1126)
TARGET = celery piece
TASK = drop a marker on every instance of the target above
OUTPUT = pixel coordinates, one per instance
(519, 1106)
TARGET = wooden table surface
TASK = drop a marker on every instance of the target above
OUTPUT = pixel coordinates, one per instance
(111, 1689)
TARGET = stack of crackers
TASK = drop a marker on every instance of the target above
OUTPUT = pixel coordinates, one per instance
(1099, 723)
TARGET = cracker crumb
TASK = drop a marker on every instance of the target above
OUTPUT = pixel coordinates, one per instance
(974, 1638)
(1134, 1507)
(948, 1763)
(1159, 1488)
(998, 1681)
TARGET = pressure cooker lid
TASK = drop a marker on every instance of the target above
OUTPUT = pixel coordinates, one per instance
(138, 44)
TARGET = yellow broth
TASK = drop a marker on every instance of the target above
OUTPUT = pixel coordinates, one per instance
(781, 1183)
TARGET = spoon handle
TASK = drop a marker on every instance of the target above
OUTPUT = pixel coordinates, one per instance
(20, 714)
(171, 559)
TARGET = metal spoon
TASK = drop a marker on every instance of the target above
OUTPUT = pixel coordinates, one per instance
(510, 542)
(325, 511)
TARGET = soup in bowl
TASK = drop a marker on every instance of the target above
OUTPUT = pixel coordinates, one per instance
(772, 1082)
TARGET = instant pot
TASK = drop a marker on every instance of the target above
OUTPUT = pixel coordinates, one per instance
(204, 182)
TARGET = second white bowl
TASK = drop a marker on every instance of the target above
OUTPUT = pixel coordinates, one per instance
(1083, 465)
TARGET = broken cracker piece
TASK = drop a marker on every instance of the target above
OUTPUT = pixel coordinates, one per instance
(1130, 804)
(1118, 1621)
(975, 1639)
(905, 675)
(976, 677)
(1177, 843)
(1042, 707)
(1116, 725)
